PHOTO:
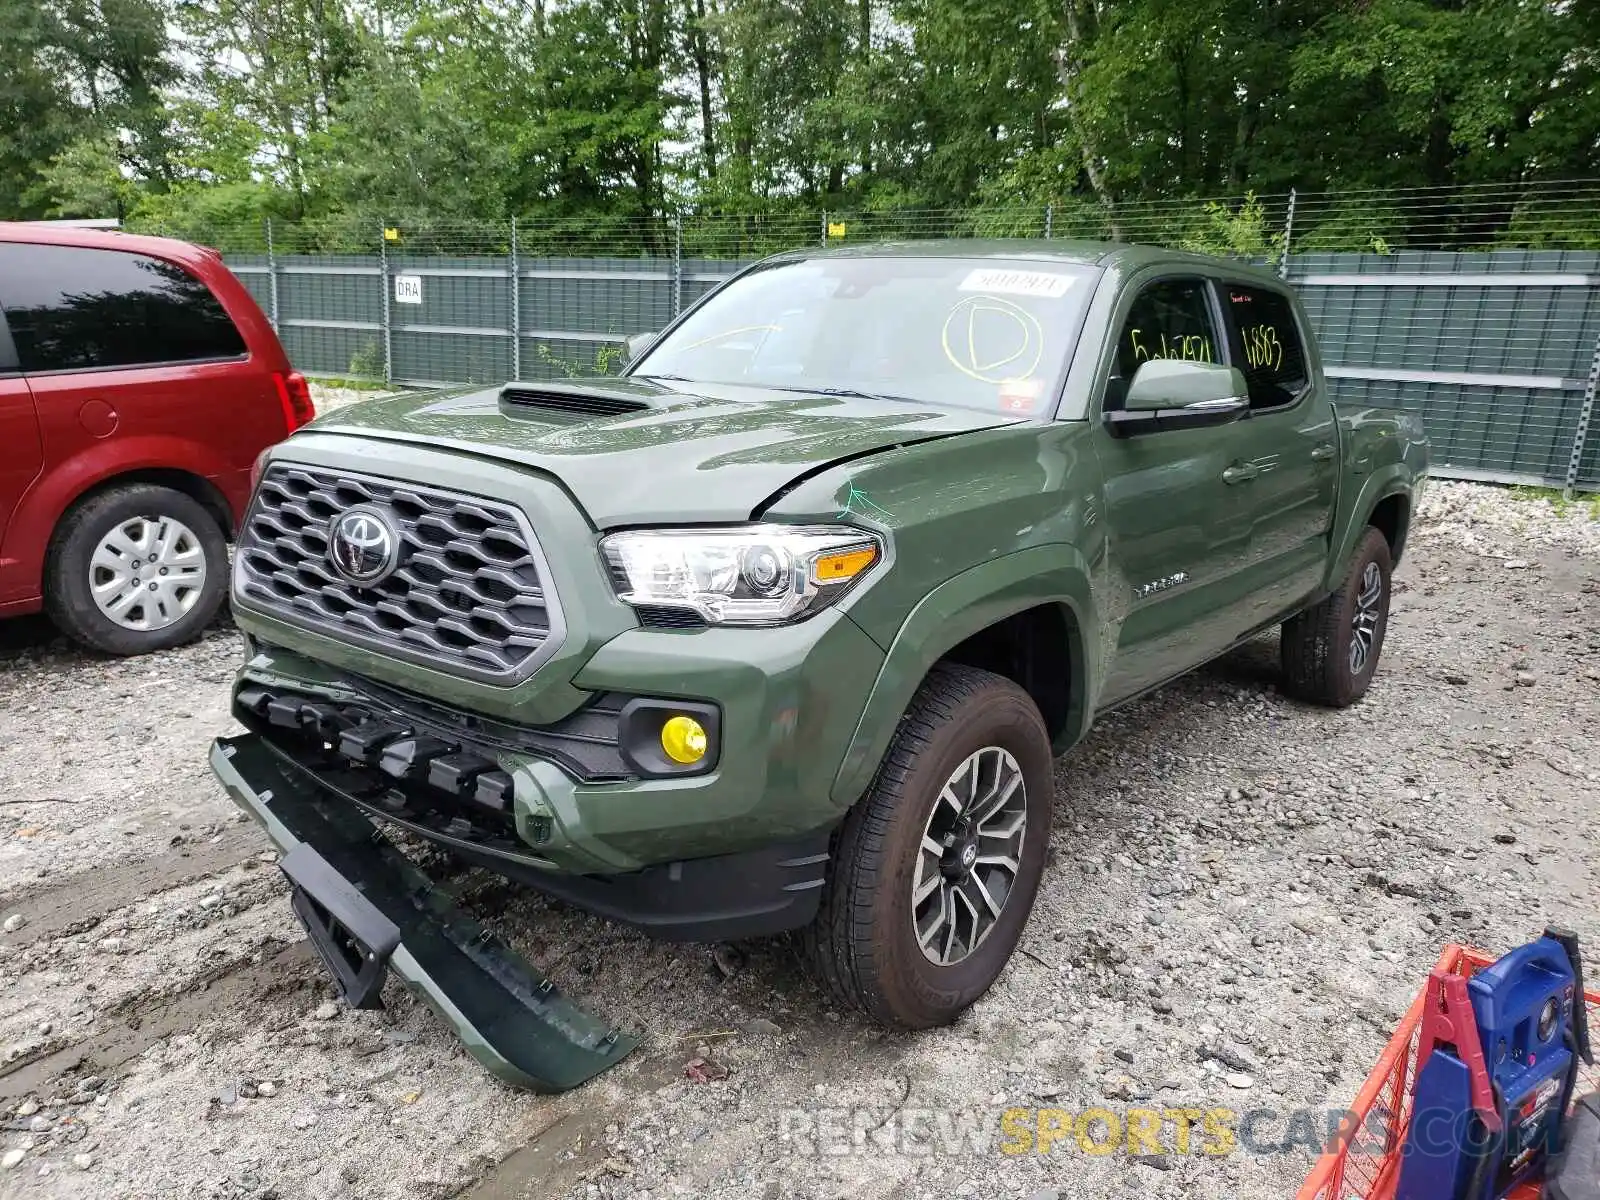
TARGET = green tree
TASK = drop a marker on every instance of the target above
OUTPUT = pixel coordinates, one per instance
(595, 120)
(604, 114)
(86, 179)
(83, 87)
(277, 67)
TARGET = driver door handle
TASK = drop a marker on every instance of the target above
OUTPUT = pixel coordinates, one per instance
(1322, 453)
(1242, 473)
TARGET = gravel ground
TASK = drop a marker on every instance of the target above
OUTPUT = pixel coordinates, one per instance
(1244, 894)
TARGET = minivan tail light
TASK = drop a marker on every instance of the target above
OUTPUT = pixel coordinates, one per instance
(295, 396)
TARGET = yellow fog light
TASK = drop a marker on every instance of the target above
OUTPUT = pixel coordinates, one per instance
(683, 740)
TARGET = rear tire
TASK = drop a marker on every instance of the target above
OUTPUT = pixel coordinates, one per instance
(867, 942)
(136, 568)
(1330, 652)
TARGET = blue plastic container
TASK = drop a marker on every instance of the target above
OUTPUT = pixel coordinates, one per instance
(1526, 1008)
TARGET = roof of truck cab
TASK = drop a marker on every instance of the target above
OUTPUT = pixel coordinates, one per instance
(1079, 252)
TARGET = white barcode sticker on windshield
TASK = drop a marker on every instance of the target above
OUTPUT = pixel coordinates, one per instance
(1017, 283)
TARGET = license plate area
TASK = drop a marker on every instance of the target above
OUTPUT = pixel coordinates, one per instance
(351, 936)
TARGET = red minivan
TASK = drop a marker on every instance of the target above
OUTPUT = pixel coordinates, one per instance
(138, 383)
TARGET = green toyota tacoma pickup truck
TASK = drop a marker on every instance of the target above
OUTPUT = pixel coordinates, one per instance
(781, 629)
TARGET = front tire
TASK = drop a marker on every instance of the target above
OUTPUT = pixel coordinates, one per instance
(936, 868)
(136, 568)
(1330, 651)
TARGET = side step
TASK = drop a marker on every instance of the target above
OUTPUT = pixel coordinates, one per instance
(367, 908)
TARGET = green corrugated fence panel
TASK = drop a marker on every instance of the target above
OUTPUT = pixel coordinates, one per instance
(353, 352)
(426, 358)
(1489, 430)
(1445, 262)
(1538, 329)
(460, 332)
(330, 288)
(251, 270)
(610, 296)
(1544, 329)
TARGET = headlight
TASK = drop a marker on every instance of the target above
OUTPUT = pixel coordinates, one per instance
(753, 575)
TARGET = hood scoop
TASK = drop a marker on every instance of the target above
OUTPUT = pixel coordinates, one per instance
(529, 399)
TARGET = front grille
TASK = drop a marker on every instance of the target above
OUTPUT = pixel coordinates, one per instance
(467, 595)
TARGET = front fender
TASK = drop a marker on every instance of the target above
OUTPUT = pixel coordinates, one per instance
(951, 613)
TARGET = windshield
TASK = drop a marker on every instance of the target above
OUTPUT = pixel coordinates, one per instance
(977, 333)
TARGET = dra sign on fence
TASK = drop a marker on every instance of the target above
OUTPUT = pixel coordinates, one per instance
(408, 289)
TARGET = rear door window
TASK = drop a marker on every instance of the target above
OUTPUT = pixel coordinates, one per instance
(73, 309)
(1270, 352)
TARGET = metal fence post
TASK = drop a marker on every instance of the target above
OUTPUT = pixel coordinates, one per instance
(1049, 220)
(1580, 435)
(1288, 232)
(272, 280)
(388, 325)
(824, 227)
(677, 264)
(516, 305)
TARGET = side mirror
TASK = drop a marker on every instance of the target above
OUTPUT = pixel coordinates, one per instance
(636, 344)
(1167, 393)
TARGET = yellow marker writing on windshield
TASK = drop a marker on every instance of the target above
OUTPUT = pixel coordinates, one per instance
(980, 358)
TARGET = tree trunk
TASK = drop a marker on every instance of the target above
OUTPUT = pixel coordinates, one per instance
(1180, 65)
(646, 54)
(1068, 65)
(324, 77)
(1440, 154)
(865, 50)
(702, 65)
(740, 108)
(1243, 135)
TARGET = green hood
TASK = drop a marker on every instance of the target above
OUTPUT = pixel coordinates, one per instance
(717, 455)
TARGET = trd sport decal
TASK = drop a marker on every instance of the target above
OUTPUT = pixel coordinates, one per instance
(1161, 585)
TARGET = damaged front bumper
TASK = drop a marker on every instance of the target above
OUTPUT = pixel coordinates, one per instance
(369, 909)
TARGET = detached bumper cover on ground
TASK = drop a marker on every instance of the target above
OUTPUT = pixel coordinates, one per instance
(369, 908)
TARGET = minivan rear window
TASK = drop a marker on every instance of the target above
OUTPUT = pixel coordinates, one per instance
(71, 308)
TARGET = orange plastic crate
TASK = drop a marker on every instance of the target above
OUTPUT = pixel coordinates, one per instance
(1357, 1170)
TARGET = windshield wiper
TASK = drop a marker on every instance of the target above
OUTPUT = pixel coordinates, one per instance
(848, 393)
(672, 378)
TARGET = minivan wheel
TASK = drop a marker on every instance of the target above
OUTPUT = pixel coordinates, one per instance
(136, 568)
(935, 869)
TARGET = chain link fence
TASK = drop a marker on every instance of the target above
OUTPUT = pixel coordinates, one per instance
(1478, 309)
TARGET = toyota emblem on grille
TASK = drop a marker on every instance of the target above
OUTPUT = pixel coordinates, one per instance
(363, 545)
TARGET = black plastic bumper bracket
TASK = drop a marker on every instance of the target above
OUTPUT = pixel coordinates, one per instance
(352, 938)
(368, 907)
